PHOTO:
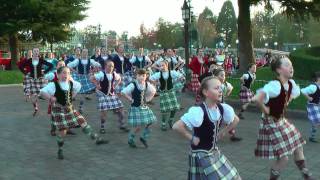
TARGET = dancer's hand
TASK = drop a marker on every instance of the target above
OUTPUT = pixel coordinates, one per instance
(53, 99)
(195, 141)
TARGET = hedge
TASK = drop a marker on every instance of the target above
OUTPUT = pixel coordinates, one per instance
(305, 62)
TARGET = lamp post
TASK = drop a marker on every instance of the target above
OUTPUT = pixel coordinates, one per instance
(266, 45)
(237, 42)
(186, 17)
(275, 45)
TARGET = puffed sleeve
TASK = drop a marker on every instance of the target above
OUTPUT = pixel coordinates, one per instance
(99, 76)
(311, 89)
(147, 59)
(295, 89)
(49, 76)
(128, 90)
(155, 76)
(176, 74)
(94, 63)
(117, 76)
(228, 113)
(271, 90)
(229, 86)
(50, 88)
(151, 89)
(245, 76)
(76, 86)
(193, 118)
(73, 63)
(133, 59)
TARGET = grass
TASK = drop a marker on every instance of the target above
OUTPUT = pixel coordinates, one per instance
(11, 77)
(264, 75)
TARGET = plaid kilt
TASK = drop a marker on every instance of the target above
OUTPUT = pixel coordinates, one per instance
(245, 95)
(139, 116)
(64, 119)
(277, 139)
(126, 79)
(108, 102)
(313, 113)
(86, 85)
(194, 84)
(33, 86)
(168, 101)
(213, 165)
(24, 82)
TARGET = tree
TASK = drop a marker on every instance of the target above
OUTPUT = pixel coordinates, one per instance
(206, 28)
(169, 35)
(227, 22)
(35, 16)
(92, 37)
(294, 9)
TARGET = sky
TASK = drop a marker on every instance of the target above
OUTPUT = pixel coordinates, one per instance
(128, 15)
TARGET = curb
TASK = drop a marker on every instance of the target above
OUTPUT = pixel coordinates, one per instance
(10, 85)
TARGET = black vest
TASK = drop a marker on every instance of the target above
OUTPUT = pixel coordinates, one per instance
(165, 84)
(138, 96)
(247, 82)
(316, 96)
(208, 131)
(105, 84)
(139, 64)
(63, 96)
(81, 67)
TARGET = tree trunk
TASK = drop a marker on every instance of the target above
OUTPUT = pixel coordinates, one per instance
(51, 47)
(245, 35)
(14, 50)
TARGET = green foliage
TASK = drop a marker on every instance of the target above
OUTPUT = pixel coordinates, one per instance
(11, 77)
(168, 34)
(305, 62)
(206, 28)
(227, 22)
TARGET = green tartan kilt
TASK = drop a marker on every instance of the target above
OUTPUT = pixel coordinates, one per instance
(140, 116)
(211, 165)
(168, 101)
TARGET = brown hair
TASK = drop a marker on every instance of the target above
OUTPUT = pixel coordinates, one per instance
(276, 63)
(315, 76)
(217, 71)
(141, 71)
(204, 84)
(61, 69)
(250, 65)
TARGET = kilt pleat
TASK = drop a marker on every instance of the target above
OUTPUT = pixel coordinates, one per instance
(168, 101)
(140, 116)
(33, 86)
(211, 165)
(24, 84)
(108, 102)
(313, 113)
(86, 85)
(245, 95)
(64, 118)
(277, 139)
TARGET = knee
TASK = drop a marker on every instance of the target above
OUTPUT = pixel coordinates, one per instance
(284, 159)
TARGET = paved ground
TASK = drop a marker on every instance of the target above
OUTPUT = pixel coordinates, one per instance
(28, 152)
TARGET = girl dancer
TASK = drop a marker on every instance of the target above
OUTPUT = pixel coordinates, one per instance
(35, 81)
(168, 99)
(312, 92)
(139, 92)
(60, 93)
(278, 138)
(246, 94)
(205, 159)
(106, 82)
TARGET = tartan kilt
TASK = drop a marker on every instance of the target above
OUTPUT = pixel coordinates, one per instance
(277, 139)
(194, 84)
(86, 85)
(139, 116)
(126, 79)
(64, 119)
(211, 165)
(33, 86)
(313, 113)
(108, 102)
(25, 90)
(168, 101)
(245, 95)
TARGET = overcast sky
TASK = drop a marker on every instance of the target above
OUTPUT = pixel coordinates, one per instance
(127, 15)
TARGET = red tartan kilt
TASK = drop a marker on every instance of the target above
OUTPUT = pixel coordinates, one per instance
(245, 95)
(64, 119)
(277, 139)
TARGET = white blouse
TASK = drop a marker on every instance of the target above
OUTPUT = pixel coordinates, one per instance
(75, 63)
(50, 88)
(194, 116)
(174, 75)
(100, 76)
(311, 89)
(128, 90)
(273, 88)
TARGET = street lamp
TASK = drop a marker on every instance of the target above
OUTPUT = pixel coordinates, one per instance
(237, 42)
(186, 17)
(309, 45)
(266, 45)
(275, 45)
